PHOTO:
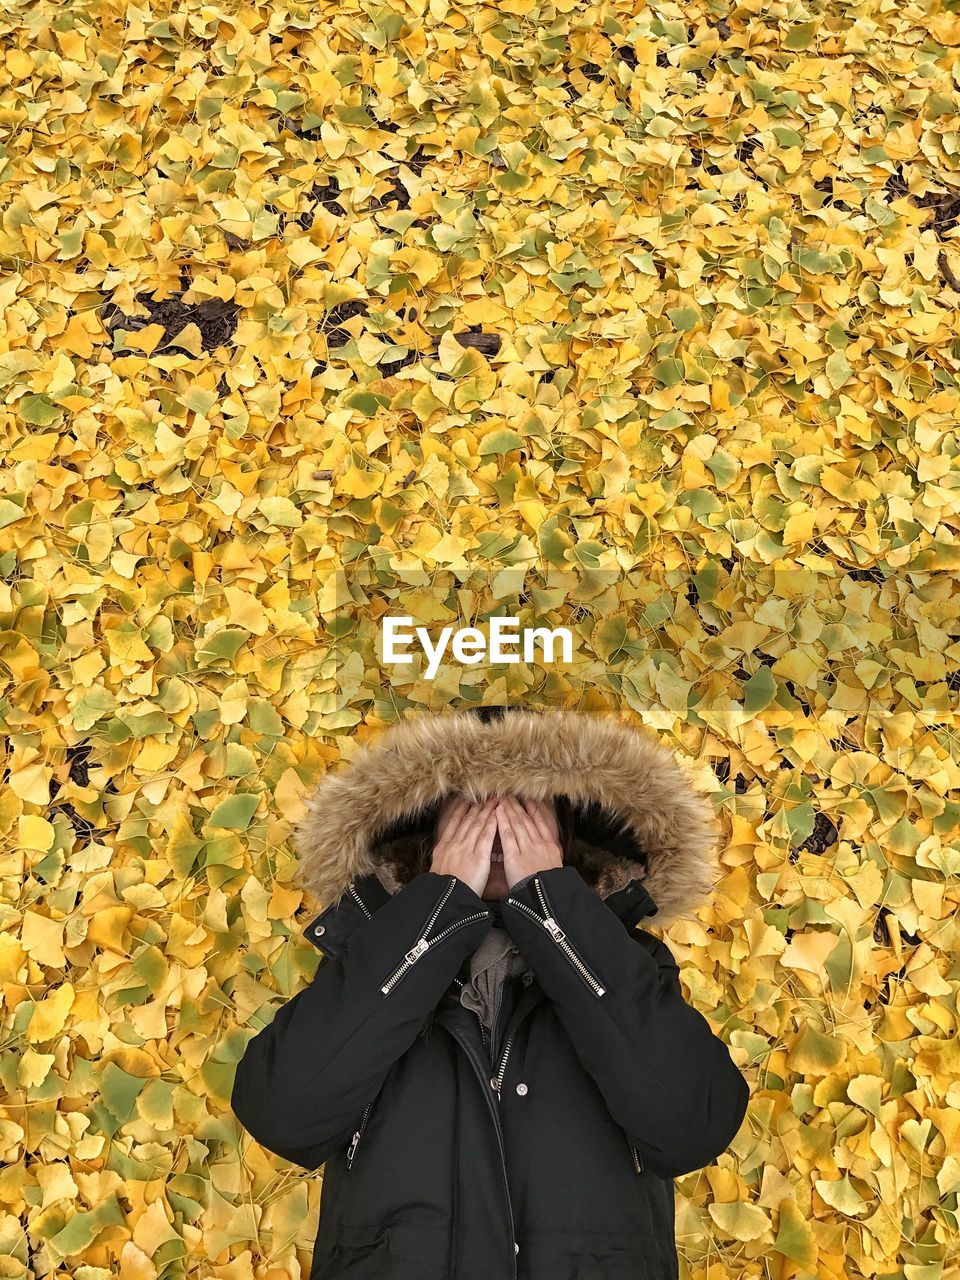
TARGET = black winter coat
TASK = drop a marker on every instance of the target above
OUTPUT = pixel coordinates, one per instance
(550, 1153)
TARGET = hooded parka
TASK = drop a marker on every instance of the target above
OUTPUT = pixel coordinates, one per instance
(545, 1149)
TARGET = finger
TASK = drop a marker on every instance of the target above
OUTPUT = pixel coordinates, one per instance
(486, 833)
(477, 839)
(451, 809)
(538, 813)
(508, 835)
(474, 819)
(551, 818)
(458, 813)
(520, 820)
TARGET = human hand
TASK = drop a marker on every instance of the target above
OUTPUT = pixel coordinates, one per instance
(465, 836)
(530, 835)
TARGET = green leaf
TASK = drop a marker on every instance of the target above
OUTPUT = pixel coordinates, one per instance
(501, 441)
(509, 182)
(263, 717)
(83, 1228)
(841, 1194)
(839, 966)
(9, 512)
(683, 318)
(145, 725)
(668, 372)
(787, 137)
(724, 467)
(234, 813)
(198, 399)
(795, 1238)
(119, 1091)
(367, 402)
(836, 335)
(673, 690)
(800, 820)
(553, 542)
(701, 502)
(222, 645)
(838, 369)
(799, 37)
(759, 691)
(38, 410)
(813, 261)
(588, 552)
(609, 636)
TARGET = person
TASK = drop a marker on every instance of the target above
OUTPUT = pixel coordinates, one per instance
(494, 1066)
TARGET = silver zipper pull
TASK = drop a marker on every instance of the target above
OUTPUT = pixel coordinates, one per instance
(555, 929)
(416, 952)
(410, 957)
(352, 1148)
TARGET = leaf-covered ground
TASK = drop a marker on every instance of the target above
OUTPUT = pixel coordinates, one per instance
(307, 308)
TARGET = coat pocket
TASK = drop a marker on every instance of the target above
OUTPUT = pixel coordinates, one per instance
(405, 1252)
(358, 1134)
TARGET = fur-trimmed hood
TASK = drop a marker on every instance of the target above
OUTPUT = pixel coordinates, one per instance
(595, 761)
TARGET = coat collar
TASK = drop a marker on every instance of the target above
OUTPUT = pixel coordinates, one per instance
(536, 754)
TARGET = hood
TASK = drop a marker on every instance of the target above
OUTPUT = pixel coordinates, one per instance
(636, 814)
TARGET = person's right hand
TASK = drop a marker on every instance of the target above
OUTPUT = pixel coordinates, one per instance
(465, 835)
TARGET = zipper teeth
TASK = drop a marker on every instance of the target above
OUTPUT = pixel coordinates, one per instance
(439, 907)
(477, 915)
(424, 943)
(486, 1081)
(503, 1064)
(355, 1141)
(506, 1181)
(567, 946)
(597, 987)
(637, 1162)
(356, 897)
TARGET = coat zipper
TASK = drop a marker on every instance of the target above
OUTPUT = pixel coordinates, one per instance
(488, 1036)
(424, 943)
(363, 906)
(495, 1114)
(637, 1160)
(496, 1082)
(559, 937)
(355, 1140)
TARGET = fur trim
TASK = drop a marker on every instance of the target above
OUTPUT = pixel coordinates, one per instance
(532, 754)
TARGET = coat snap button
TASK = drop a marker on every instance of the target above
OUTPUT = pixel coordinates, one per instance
(320, 928)
(521, 1089)
(516, 1247)
(527, 979)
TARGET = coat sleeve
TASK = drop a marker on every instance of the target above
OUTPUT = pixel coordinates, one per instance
(304, 1080)
(668, 1080)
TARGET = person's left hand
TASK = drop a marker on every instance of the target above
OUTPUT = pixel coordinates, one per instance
(530, 836)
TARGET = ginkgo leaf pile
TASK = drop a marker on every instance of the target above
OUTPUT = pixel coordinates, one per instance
(308, 310)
